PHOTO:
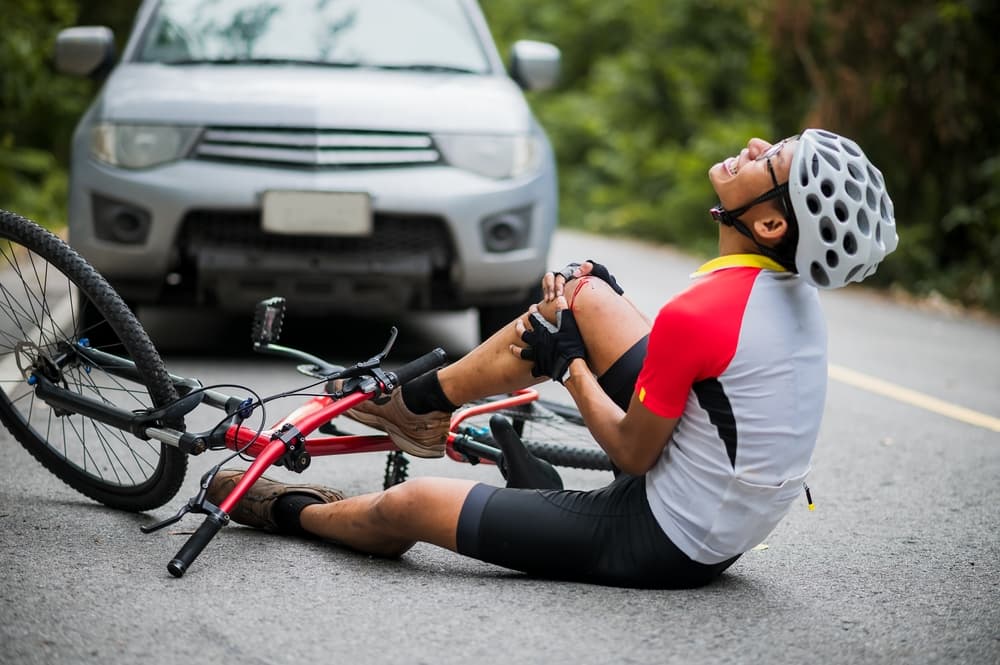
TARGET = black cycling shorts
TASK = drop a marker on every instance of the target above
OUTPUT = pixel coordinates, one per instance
(605, 536)
(619, 380)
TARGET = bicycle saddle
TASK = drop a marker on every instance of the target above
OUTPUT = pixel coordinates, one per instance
(518, 465)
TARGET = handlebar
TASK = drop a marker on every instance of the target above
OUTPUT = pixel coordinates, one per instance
(195, 544)
(414, 368)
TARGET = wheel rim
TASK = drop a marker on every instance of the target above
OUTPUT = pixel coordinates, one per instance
(40, 325)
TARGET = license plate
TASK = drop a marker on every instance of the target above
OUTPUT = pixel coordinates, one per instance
(317, 213)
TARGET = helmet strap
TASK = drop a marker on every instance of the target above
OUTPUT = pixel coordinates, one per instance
(732, 218)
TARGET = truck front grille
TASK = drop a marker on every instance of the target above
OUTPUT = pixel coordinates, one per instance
(317, 148)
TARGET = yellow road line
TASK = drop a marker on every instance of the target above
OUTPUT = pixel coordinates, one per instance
(871, 384)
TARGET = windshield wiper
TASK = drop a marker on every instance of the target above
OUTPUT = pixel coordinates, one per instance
(428, 68)
(260, 61)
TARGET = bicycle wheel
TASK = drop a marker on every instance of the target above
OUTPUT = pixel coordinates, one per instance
(46, 291)
(552, 431)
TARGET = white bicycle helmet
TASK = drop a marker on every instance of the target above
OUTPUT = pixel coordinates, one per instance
(845, 217)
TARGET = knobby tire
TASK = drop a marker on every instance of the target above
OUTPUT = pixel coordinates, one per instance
(50, 300)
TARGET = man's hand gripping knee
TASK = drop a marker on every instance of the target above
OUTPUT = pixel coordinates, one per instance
(554, 282)
(552, 347)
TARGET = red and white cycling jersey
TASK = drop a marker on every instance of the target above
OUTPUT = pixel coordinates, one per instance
(740, 358)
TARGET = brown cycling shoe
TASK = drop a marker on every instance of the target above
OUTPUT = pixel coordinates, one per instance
(420, 435)
(256, 506)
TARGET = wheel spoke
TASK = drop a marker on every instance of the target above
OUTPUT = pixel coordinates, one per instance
(49, 298)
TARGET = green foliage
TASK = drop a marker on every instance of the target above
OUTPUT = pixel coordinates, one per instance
(652, 94)
(913, 82)
(37, 111)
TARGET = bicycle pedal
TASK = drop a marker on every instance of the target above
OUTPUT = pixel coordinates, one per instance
(268, 316)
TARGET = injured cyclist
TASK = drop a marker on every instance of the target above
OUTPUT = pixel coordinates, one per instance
(711, 411)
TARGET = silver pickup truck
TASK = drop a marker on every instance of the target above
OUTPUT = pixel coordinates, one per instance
(363, 156)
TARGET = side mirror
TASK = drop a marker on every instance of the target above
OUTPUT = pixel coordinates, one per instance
(85, 51)
(535, 65)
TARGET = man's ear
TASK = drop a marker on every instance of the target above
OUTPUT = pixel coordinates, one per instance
(770, 230)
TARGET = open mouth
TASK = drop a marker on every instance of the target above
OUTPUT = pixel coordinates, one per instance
(732, 165)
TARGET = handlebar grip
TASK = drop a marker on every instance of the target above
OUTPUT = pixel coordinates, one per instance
(414, 368)
(194, 545)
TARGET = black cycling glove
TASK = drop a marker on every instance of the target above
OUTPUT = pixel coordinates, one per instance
(553, 347)
(601, 272)
(598, 270)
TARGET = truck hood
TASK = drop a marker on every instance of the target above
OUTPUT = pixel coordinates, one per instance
(303, 96)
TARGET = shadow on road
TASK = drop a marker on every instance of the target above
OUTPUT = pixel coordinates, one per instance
(185, 332)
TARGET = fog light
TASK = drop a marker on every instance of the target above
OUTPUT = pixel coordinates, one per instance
(116, 221)
(507, 231)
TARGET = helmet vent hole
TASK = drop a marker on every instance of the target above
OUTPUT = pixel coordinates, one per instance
(812, 201)
(803, 174)
(856, 172)
(878, 232)
(871, 198)
(840, 210)
(874, 176)
(832, 259)
(831, 158)
(850, 243)
(850, 147)
(814, 166)
(827, 231)
(818, 275)
(882, 209)
(852, 272)
(863, 226)
(827, 188)
(853, 191)
(829, 142)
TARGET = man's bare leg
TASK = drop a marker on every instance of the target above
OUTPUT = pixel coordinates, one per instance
(610, 326)
(389, 523)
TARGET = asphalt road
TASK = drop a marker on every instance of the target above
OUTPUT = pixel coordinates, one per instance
(899, 563)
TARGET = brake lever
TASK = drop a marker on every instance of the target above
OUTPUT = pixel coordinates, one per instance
(196, 504)
(368, 367)
(393, 333)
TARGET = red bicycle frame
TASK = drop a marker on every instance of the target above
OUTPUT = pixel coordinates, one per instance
(267, 446)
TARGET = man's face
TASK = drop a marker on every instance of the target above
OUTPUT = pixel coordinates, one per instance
(742, 178)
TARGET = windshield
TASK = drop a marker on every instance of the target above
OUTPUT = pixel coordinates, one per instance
(397, 34)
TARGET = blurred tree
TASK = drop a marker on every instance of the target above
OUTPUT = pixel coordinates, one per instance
(914, 82)
(37, 110)
(39, 107)
(652, 94)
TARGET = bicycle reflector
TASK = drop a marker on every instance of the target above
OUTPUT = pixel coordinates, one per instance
(267, 318)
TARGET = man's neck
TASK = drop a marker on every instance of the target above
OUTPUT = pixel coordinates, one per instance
(732, 241)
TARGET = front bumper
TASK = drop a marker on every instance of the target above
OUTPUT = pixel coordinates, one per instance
(232, 268)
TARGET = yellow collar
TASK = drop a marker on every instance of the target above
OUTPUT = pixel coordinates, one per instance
(739, 261)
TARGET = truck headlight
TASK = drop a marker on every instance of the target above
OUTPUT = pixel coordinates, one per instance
(497, 157)
(140, 146)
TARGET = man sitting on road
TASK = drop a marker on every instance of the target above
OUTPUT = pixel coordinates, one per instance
(711, 413)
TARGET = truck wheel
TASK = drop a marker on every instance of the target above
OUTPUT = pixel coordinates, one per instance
(494, 317)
